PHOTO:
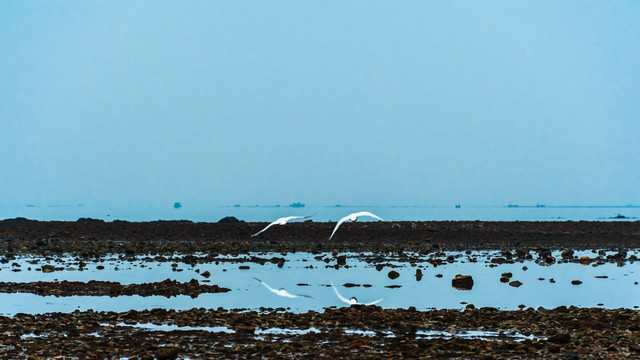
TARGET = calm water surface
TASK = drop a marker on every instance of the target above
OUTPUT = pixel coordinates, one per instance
(608, 285)
(324, 213)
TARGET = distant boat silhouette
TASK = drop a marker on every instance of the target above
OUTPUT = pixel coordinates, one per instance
(297, 205)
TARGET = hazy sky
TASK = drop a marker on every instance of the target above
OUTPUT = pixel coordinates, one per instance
(323, 102)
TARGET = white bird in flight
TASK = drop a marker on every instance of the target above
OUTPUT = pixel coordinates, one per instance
(282, 292)
(281, 221)
(353, 217)
(353, 300)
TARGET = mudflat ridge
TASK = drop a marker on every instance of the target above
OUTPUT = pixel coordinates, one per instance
(99, 237)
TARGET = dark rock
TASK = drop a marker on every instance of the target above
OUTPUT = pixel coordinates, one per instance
(576, 282)
(342, 259)
(462, 282)
(523, 254)
(567, 254)
(418, 274)
(515, 283)
(48, 268)
(555, 348)
(167, 353)
(562, 338)
(500, 260)
(229, 220)
(393, 274)
(545, 258)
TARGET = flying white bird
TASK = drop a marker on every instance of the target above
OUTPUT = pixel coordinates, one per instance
(353, 300)
(282, 292)
(282, 221)
(353, 217)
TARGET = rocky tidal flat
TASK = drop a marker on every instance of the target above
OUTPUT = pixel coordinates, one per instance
(390, 249)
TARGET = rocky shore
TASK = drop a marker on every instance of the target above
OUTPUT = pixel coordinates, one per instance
(87, 237)
(347, 332)
(350, 332)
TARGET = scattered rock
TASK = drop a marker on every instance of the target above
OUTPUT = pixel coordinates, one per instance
(576, 282)
(462, 282)
(229, 220)
(567, 254)
(48, 268)
(515, 283)
(562, 338)
(167, 353)
(393, 274)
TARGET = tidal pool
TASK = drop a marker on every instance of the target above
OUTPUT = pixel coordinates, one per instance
(366, 276)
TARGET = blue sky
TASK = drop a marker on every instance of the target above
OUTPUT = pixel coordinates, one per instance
(324, 102)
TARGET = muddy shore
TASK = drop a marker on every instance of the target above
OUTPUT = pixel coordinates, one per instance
(96, 238)
(355, 332)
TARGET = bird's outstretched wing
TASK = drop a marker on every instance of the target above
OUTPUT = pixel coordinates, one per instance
(374, 302)
(282, 292)
(275, 291)
(298, 217)
(268, 226)
(282, 221)
(340, 295)
(338, 225)
(366, 213)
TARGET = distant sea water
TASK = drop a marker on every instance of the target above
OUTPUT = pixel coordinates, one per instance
(323, 213)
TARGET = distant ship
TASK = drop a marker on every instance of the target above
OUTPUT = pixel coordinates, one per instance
(297, 205)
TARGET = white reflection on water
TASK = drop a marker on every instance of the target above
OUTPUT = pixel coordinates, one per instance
(304, 274)
(260, 333)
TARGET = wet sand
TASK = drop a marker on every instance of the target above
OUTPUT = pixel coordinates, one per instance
(391, 333)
